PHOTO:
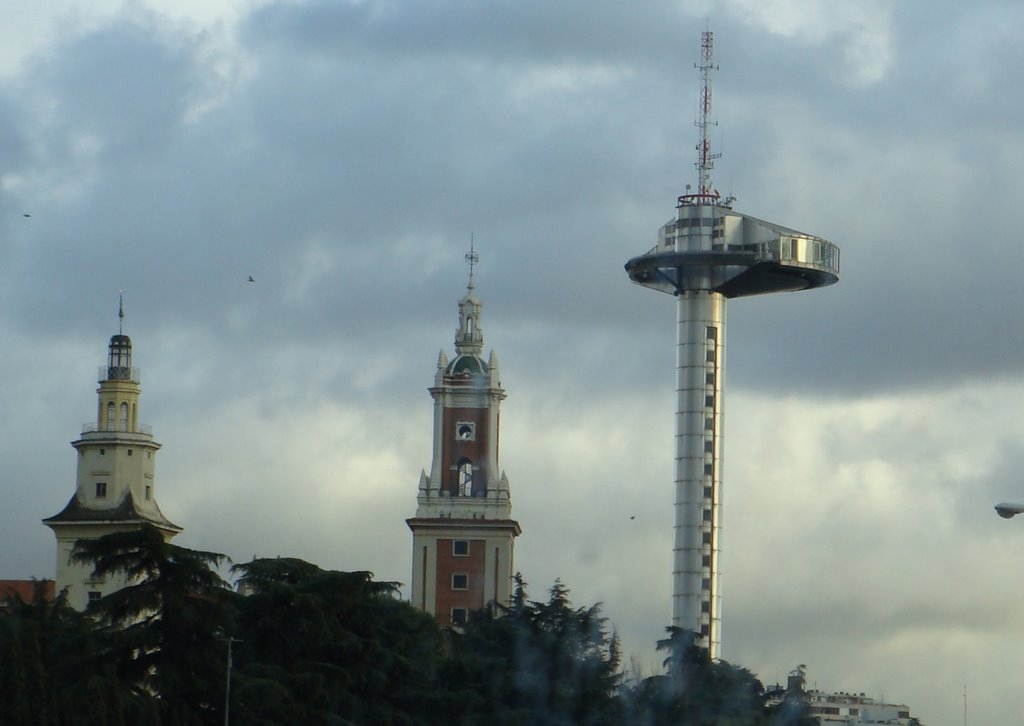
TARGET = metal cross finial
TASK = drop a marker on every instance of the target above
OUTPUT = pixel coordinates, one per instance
(472, 258)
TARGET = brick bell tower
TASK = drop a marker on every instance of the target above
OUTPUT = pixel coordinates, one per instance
(463, 531)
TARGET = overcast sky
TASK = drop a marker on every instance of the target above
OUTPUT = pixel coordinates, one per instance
(342, 153)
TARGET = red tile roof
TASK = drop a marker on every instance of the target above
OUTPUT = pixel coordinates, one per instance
(25, 589)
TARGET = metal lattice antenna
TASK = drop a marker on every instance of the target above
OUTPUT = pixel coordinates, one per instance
(705, 159)
(472, 258)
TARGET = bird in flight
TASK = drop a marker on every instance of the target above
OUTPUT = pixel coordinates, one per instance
(250, 279)
(26, 215)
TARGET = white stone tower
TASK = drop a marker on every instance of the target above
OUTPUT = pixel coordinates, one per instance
(114, 487)
(705, 256)
(463, 533)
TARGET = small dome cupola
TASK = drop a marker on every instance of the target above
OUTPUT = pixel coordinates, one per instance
(119, 361)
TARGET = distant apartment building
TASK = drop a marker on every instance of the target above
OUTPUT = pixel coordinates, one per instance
(840, 707)
(856, 708)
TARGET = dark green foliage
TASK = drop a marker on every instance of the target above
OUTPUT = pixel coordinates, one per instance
(696, 690)
(329, 648)
(538, 662)
(161, 631)
(56, 655)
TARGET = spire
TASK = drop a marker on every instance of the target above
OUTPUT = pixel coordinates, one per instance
(469, 338)
(472, 258)
(120, 312)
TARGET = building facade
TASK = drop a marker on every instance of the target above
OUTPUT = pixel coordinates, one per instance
(833, 709)
(463, 532)
(115, 488)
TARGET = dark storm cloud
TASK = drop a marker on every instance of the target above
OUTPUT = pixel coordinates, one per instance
(360, 145)
(528, 33)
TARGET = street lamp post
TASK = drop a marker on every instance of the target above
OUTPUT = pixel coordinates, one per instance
(227, 685)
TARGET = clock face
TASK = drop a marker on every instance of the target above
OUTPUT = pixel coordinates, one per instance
(464, 431)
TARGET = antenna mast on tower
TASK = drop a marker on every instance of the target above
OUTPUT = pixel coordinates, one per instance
(706, 193)
(705, 159)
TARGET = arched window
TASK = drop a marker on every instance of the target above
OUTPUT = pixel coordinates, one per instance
(124, 416)
(465, 478)
(110, 416)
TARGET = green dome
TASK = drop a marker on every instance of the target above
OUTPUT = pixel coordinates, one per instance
(466, 364)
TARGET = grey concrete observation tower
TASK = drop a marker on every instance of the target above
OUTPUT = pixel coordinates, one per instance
(705, 256)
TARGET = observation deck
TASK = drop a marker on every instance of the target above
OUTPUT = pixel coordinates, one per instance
(711, 247)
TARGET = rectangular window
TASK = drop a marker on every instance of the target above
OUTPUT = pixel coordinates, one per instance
(460, 548)
(706, 538)
(709, 424)
(707, 493)
(705, 584)
(709, 401)
(707, 515)
(710, 356)
(458, 616)
(129, 452)
(709, 447)
(705, 561)
(103, 452)
(709, 378)
(149, 492)
(712, 332)
(709, 469)
(101, 489)
(460, 581)
(705, 607)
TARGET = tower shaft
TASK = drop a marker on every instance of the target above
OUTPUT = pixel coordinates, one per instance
(700, 367)
(707, 255)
